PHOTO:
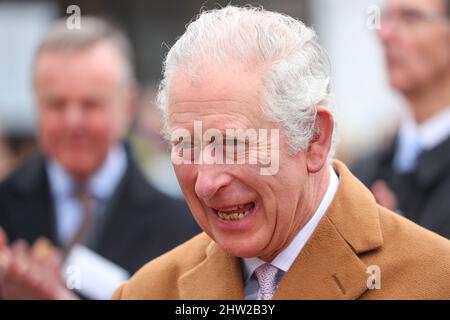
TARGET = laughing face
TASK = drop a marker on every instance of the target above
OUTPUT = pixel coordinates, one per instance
(246, 213)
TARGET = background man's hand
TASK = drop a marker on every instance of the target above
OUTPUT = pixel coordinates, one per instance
(31, 273)
(384, 195)
(4, 258)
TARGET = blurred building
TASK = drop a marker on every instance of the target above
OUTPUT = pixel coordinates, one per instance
(367, 109)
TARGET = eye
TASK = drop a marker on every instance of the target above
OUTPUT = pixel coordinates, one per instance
(411, 16)
(186, 145)
(55, 103)
(235, 148)
(231, 142)
(182, 145)
(184, 148)
(229, 147)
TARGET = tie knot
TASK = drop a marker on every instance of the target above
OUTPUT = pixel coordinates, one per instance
(267, 279)
(80, 189)
(83, 193)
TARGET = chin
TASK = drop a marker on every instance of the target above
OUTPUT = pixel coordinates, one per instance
(80, 169)
(400, 82)
(240, 249)
(400, 85)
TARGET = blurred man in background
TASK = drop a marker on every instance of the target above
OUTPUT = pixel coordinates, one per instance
(82, 204)
(412, 175)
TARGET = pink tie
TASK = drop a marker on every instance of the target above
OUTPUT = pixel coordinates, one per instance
(267, 279)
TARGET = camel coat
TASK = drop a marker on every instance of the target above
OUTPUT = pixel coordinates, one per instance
(355, 233)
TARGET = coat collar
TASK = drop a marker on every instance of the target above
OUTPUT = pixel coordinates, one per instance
(328, 266)
(219, 276)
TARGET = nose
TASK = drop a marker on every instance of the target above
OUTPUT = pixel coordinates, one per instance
(387, 30)
(73, 116)
(210, 180)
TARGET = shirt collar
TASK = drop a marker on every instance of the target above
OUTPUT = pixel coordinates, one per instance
(286, 258)
(102, 184)
(428, 134)
(105, 180)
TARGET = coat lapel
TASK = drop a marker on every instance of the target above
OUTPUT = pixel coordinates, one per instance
(328, 266)
(219, 276)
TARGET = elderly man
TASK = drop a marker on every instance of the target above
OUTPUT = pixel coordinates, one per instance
(305, 228)
(412, 174)
(84, 194)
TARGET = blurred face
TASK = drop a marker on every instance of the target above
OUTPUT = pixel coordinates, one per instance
(83, 106)
(416, 38)
(246, 213)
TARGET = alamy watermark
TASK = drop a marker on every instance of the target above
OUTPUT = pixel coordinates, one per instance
(373, 21)
(229, 146)
(73, 22)
(374, 280)
(73, 277)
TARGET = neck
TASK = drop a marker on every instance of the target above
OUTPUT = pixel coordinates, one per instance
(430, 99)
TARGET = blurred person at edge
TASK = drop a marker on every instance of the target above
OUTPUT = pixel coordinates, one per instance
(5, 158)
(412, 174)
(83, 199)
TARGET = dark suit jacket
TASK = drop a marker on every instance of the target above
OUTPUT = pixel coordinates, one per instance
(141, 223)
(424, 194)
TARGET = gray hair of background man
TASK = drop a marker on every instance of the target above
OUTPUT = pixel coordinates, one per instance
(93, 30)
(296, 74)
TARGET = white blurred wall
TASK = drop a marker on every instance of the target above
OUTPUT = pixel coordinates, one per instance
(21, 26)
(367, 109)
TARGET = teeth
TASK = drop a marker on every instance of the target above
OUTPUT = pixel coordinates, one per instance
(233, 216)
(231, 209)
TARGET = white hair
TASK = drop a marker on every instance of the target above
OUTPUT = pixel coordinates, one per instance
(296, 75)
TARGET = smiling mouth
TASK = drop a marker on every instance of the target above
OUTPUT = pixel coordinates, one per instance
(235, 213)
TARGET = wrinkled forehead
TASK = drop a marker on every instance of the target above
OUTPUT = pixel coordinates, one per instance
(207, 82)
(220, 98)
(208, 87)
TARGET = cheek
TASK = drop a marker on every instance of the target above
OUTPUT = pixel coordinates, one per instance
(436, 58)
(186, 176)
(102, 126)
(119, 116)
(428, 56)
(51, 126)
(288, 185)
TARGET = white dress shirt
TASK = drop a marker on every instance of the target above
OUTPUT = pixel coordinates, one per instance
(414, 138)
(101, 185)
(286, 258)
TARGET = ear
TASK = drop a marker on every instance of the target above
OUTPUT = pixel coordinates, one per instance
(130, 107)
(320, 144)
